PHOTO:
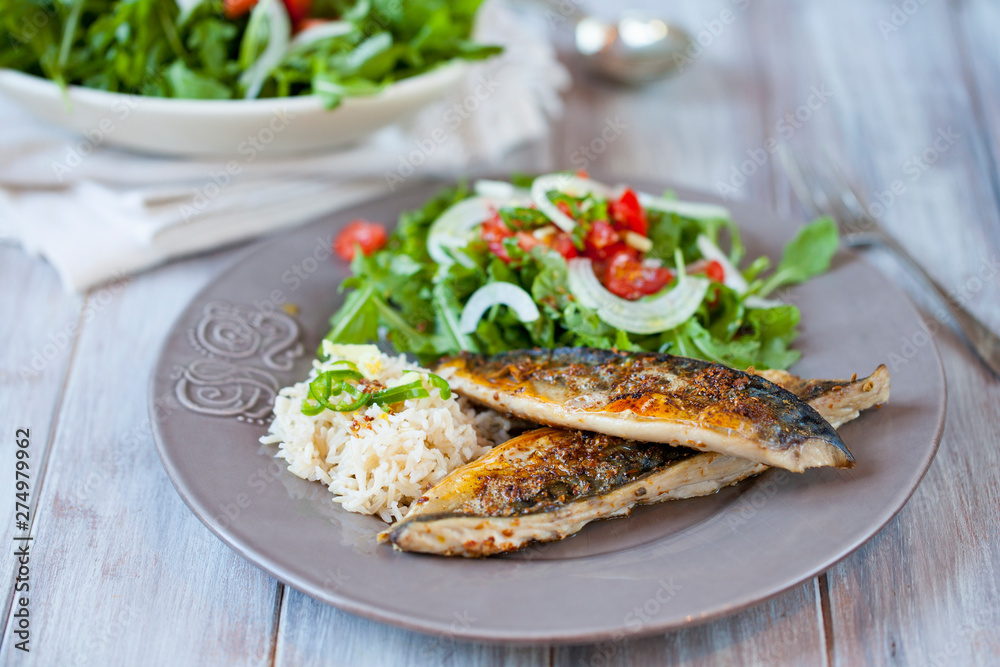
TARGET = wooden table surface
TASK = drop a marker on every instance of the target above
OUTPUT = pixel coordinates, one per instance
(122, 573)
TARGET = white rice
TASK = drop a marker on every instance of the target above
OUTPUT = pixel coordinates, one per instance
(378, 461)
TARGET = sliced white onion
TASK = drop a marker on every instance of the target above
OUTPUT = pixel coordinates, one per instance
(279, 34)
(322, 31)
(491, 294)
(569, 184)
(760, 303)
(500, 190)
(686, 209)
(648, 316)
(451, 229)
(732, 279)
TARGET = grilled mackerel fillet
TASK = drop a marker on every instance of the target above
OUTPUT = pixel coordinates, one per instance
(547, 484)
(653, 398)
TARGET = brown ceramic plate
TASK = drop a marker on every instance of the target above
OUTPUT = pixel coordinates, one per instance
(666, 566)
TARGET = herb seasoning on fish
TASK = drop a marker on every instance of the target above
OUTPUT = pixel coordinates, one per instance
(549, 483)
(654, 398)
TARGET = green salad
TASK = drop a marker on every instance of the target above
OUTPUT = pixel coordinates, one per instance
(563, 260)
(210, 49)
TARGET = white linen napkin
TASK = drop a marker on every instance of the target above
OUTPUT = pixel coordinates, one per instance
(116, 212)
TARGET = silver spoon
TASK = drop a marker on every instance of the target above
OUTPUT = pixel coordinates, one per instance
(636, 48)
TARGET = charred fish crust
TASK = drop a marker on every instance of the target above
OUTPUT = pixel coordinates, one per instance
(548, 468)
(658, 397)
(813, 388)
(450, 521)
(549, 483)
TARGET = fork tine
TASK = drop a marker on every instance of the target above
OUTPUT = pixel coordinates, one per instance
(798, 181)
(795, 178)
(851, 197)
(845, 204)
(836, 206)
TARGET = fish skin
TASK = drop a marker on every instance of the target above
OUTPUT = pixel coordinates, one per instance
(504, 501)
(837, 401)
(653, 398)
(464, 514)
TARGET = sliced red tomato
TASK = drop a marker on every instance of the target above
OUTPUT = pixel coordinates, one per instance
(715, 271)
(494, 231)
(237, 8)
(582, 173)
(298, 10)
(566, 209)
(563, 244)
(630, 278)
(526, 241)
(601, 240)
(369, 235)
(628, 213)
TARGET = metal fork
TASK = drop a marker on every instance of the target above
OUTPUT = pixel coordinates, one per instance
(829, 192)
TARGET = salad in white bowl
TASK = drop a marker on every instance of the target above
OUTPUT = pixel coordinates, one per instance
(198, 77)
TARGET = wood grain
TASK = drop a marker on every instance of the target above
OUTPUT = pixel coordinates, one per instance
(974, 25)
(37, 339)
(781, 631)
(313, 633)
(123, 573)
(923, 590)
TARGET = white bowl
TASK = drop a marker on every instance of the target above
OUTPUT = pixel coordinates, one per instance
(225, 128)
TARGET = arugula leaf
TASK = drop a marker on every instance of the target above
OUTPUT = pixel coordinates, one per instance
(357, 319)
(775, 329)
(805, 256)
(186, 83)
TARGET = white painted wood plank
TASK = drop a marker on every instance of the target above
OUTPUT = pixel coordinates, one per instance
(975, 23)
(123, 573)
(37, 336)
(925, 589)
(313, 633)
(781, 631)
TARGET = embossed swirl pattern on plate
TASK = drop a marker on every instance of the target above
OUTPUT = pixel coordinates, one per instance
(241, 347)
